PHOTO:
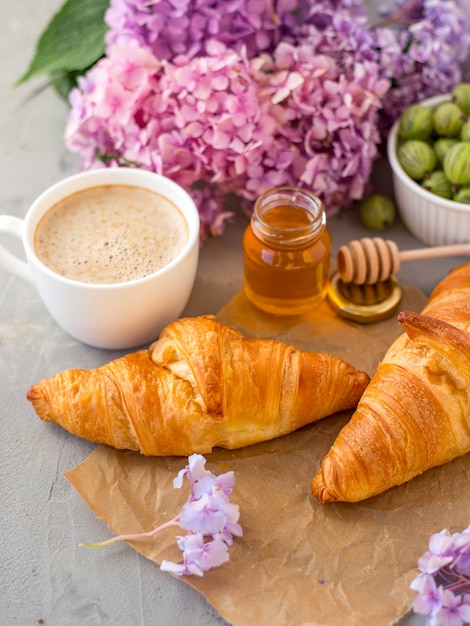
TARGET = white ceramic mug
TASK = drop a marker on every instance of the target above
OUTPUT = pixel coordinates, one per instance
(111, 316)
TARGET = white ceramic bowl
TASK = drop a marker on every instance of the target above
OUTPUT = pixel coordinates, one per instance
(433, 220)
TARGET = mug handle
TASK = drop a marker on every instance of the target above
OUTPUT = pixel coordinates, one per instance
(11, 225)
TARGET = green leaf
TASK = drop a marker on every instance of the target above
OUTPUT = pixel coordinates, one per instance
(72, 41)
(64, 82)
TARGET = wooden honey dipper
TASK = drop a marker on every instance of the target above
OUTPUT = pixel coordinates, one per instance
(369, 261)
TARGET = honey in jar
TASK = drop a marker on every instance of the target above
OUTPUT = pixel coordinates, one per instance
(287, 249)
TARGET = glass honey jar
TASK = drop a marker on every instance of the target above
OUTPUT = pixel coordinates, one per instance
(287, 248)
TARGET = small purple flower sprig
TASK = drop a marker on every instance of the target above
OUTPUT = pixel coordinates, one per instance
(443, 586)
(208, 516)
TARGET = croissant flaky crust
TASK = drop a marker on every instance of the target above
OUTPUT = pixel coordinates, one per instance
(201, 385)
(415, 413)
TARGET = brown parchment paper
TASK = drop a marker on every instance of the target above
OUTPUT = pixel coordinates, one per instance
(299, 562)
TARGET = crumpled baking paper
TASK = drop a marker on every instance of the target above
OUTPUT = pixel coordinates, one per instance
(299, 562)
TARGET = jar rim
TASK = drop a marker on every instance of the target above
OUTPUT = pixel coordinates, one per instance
(298, 197)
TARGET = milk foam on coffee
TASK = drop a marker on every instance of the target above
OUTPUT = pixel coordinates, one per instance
(110, 234)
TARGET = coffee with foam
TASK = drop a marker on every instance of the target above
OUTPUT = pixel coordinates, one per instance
(111, 234)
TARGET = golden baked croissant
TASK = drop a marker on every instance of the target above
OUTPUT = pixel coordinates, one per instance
(415, 413)
(200, 385)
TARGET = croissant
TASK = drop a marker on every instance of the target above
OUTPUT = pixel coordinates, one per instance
(200, 385)
(415, 413)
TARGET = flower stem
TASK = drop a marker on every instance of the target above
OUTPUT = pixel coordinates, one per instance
(132, 536)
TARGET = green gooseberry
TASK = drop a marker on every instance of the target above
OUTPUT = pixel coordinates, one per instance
(417, 158)
(442, 145)
(457, 163)
(465, 132)
(377, 212)
(448, 119)
(463, 195)
(438, 184)
(415, 122)
(461, 97)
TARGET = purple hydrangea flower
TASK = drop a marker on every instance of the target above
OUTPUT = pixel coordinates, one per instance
(443, 586)
(421, 47)
(199, 555)
(454, 609)
(203, 481)
(428, 600)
